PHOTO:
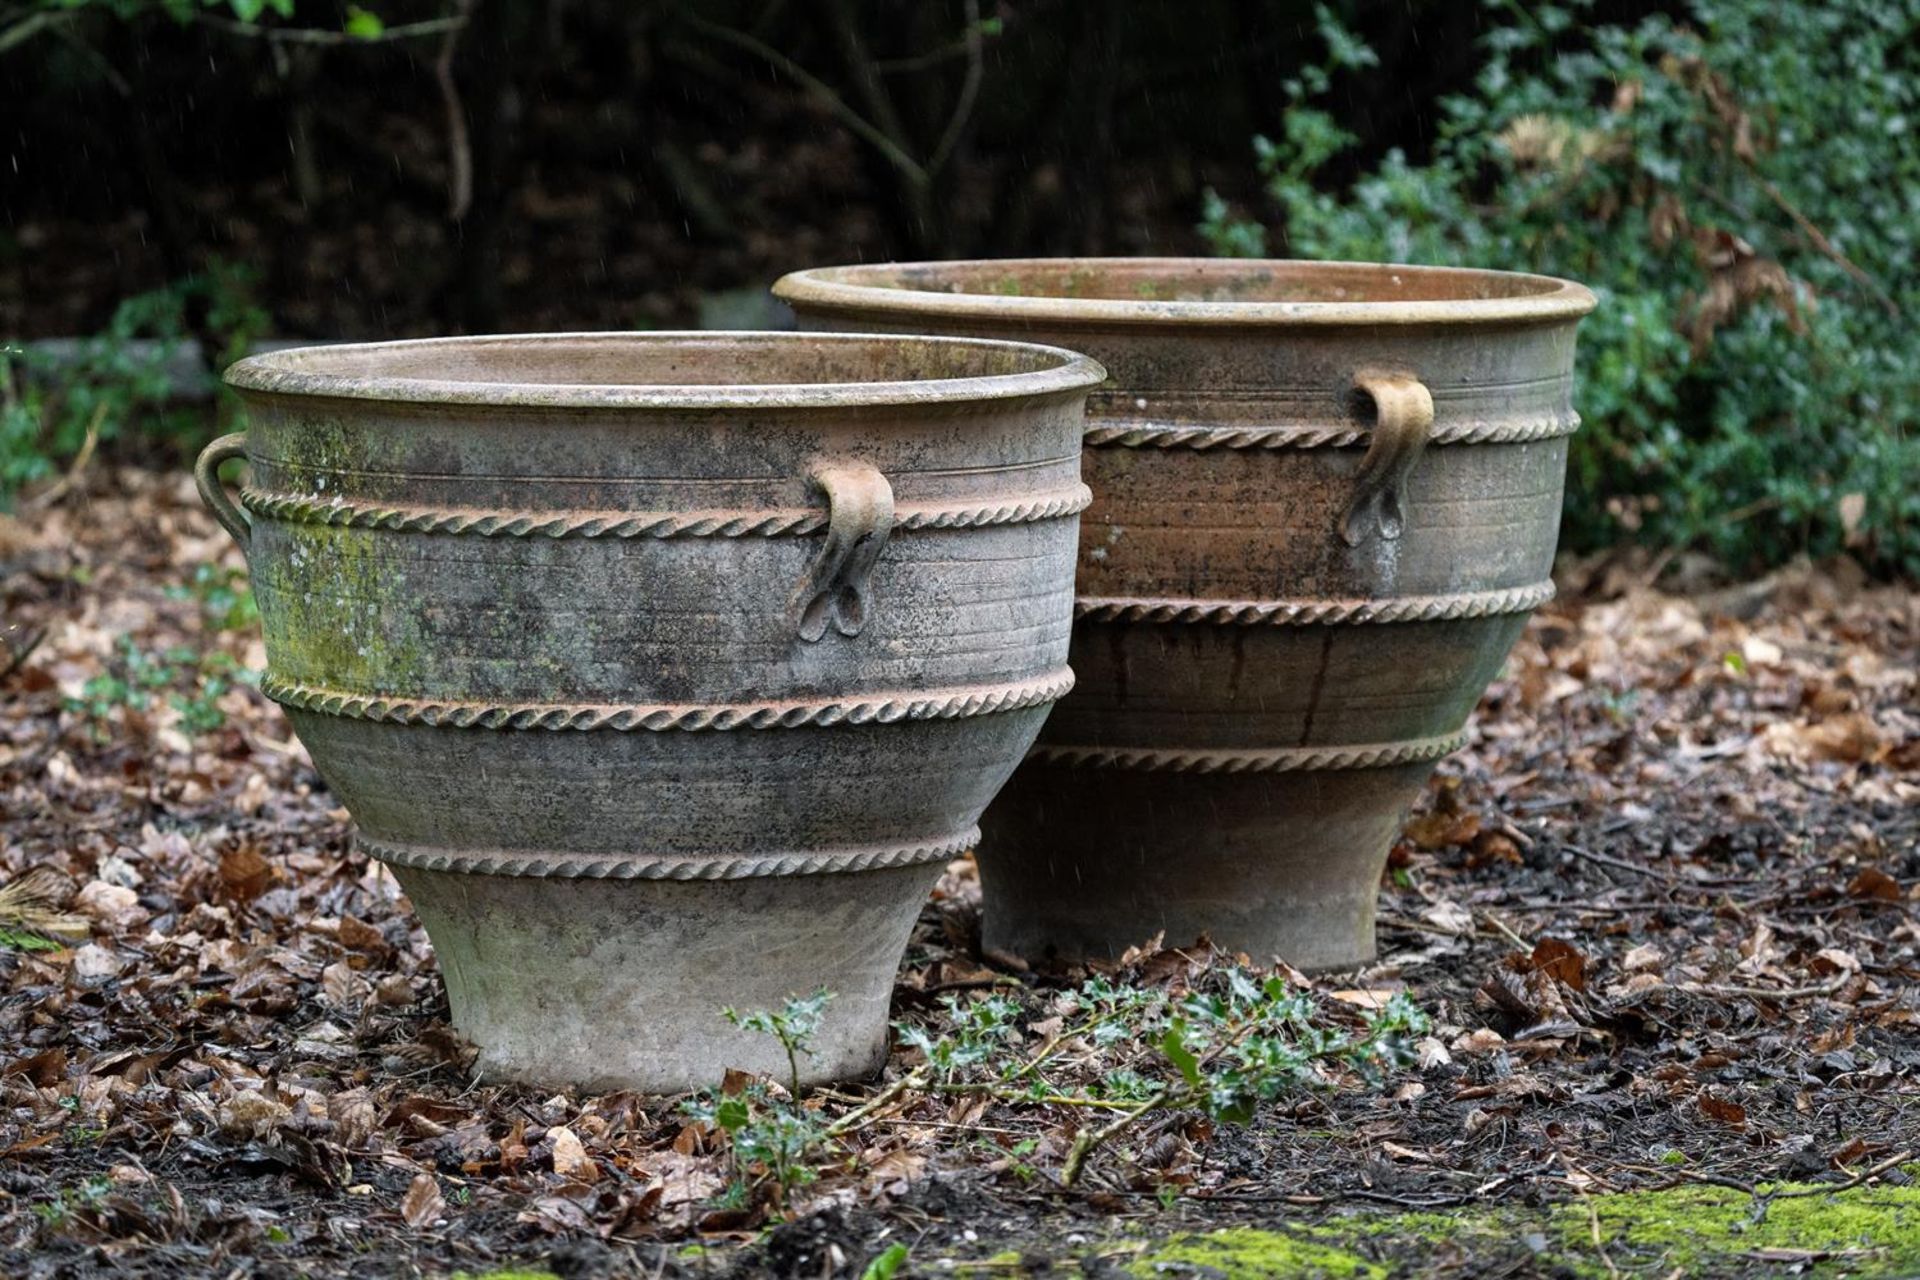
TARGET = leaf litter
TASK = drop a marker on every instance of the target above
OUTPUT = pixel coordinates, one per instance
(1661, 916)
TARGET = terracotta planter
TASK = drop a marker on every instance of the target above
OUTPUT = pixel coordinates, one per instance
(1325, 498)
(664, 670)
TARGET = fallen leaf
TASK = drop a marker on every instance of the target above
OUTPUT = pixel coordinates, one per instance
(244, 872)
(1372, 998)
(1485, 1040)
(423, 1204)
(1643, 957)
(1433, 831)
(1448, 917)
(93, 964)
(1731, 1114)
(250, 1114)
(354, 1117)
(1561, 961)
(1875, 885)
(570, 1158)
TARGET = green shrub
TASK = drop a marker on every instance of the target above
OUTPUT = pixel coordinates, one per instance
(121, 382)
(1742, 190)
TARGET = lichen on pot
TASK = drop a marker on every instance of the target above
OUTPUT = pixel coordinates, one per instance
(1326, 496)
(665, 670)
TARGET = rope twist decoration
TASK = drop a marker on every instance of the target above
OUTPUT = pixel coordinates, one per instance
(293, 508)
(1306, 613)
(1278, 760)
(1160, 436)
(672, 867)
(948, 705)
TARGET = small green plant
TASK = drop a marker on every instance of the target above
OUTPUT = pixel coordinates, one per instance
(887, 1263)
(792, 1025)
(1116, 1051)
(769, 1138)
(1232, 1042)
(1223, 1049)
(58, 1213)
(191, 682)
(225, 598)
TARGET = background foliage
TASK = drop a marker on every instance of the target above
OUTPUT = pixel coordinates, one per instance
(1743, 192)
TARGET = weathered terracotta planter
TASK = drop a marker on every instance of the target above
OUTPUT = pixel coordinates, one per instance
(664, 670)
(1325, 498)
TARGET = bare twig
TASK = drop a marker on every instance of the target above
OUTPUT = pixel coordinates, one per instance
(459, 144)
(325, 36)
(1826, 246)
(1506, 930)
(854, 1119)
(17, 658)
(818, 88)
(1087, 1140)
(969, 92)
(47, 497)
(1764, 993)
(1891, 1162)
(28, 27)
(1652, 873)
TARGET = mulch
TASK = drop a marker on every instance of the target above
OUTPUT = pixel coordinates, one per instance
(1664, 911)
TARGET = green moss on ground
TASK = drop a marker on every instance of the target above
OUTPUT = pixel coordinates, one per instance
(1705, 1231)
(1867, 1232)
(1245, 1251)
(509, 1274)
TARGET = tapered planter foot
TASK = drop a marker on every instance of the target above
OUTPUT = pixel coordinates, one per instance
(1282, 867)
(609, 984)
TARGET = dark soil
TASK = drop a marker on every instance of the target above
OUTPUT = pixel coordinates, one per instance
(1662, 912)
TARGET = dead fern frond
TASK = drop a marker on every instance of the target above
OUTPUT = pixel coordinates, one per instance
(31, 918)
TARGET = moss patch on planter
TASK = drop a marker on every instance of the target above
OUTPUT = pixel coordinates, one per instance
(1865, 1233)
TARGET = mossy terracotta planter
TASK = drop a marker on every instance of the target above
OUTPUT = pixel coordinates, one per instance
(1325, 498)
(664, 670)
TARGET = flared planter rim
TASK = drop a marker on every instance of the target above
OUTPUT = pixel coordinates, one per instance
(1455, 295)
(413, 371)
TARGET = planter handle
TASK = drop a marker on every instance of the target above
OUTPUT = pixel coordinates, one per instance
(859, 518)
(1402, 421)
(206, 477)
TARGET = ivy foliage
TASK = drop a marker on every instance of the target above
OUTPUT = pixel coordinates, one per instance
(1741, 188)
(56, 407)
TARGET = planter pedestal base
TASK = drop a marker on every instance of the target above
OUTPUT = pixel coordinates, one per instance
(618, 984)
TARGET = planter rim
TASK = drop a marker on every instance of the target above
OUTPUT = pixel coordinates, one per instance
(353, 371)
(876, 289)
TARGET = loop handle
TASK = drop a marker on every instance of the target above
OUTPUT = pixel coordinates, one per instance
(206, 477)
(859, 518)
(1403, 419)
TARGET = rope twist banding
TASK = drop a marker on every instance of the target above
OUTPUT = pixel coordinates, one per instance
(1170, 436)
(947, 705)
(672, 867)
(1277, 760)
(1306, 613)
(292, 508)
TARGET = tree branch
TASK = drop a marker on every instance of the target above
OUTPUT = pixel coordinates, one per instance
(818, 88)
(969, 92)
(324, 36)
